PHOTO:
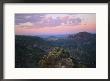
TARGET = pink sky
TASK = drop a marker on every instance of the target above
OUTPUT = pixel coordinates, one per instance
(54, 24)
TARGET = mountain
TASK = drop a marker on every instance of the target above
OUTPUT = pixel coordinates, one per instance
(82, 46)
(84, 36)
(52, 38)
(29, 50)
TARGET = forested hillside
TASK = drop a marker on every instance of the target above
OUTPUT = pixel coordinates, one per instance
(70, 51)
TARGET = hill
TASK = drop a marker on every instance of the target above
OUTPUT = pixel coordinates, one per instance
(29, 50)
(81, 47)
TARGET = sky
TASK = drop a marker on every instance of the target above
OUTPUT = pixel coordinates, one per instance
(54, 23)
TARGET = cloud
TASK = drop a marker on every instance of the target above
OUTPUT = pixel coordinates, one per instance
(27, 17)
(25, 25)
(74, 21)
(52, 22)
(46, 20)
(23, 18)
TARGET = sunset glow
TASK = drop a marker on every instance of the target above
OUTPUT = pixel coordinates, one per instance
(54, 24)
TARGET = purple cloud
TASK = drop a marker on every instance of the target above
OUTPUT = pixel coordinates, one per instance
(23, 18)
(41, 20)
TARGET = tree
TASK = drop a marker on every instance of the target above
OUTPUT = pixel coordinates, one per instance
(58, 58)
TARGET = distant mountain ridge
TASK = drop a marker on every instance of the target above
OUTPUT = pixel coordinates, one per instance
(81, 35)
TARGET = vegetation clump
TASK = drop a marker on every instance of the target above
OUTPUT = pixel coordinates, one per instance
(58, 57)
